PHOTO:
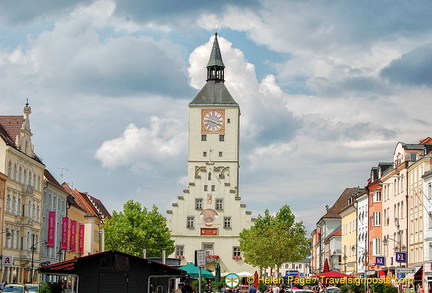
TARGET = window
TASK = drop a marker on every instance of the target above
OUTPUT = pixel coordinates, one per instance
(205, 187)
(213, 187)
(208, 247)
(376, 246)
(377, 218)
(220, 154)
(190, 222)
(227, 222)
(429, 190)
(198, 203)
(204, 137)
(179, 251)
(430, 220)
(204, 154)
(209, 176)
(377, 196)
(219, 204)
(236, 251)
(221, 137)
(228, 120)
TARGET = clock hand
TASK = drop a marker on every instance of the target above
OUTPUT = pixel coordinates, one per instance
(214, 121)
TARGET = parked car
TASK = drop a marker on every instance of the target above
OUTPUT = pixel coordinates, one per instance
(32, 288)
(15, 288)
(332, 290)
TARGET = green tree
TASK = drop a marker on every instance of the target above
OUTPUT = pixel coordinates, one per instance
(274, 240)
(137, 228)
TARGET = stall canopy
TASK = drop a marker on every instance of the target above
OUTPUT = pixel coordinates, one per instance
(193, 271)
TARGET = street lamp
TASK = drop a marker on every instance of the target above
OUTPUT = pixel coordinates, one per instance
(399, 248)
(33, 249)
(364, 256)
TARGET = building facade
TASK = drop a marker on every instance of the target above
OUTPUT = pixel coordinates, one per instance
(209, 215)
(23, 197)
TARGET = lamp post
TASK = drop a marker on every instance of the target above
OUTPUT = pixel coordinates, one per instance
(33, 249)
(400, 248)
(364, 258)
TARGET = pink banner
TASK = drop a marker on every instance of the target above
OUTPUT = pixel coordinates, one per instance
(73, 236)
(65, 226)
(51, 229)
(81, 240)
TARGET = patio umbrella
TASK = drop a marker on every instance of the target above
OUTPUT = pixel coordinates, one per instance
(193, 271)
(326, 266)
(217, 276)
(332, 274)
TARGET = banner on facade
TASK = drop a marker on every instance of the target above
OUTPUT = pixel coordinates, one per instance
(73, 230)
(51, 228)
(65, 227)
(81, 239)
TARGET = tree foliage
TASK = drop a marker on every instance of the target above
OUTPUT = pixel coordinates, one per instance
(137, 228)
(274, 240)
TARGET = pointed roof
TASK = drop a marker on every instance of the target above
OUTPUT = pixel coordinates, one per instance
(214, 92)
(215, 56)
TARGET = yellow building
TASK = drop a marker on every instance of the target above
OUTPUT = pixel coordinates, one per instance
(349, 236)
(23, 197)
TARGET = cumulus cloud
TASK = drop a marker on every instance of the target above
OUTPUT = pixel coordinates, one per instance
(143, 148)
(413, 68)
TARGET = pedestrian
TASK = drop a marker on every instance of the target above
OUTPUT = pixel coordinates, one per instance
(188, 288)
(276, 289)
(252, 289)
(179, 288)
(420, 289)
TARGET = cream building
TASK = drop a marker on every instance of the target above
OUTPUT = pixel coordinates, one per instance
(23, 198)
(209, 215)
(349, 234)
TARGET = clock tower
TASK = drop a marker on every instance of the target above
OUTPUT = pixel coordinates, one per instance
(209, 215)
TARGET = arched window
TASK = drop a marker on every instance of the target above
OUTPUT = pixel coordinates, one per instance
(8, 203)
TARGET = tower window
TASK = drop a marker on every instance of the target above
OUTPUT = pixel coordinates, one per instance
(227, 222)
(220, 154)
(209, 176)
(204, 154)
(219, 204)
(205, 187)
(221, 137)
(236, 251)
(203, 137)
(213, 187)
(190, 222)
(198, 203)
(228, 120)
(179, 251)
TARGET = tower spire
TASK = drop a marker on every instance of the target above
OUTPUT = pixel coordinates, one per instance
(215, 65)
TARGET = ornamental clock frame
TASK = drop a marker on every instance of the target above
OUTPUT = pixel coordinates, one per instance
(213, 121)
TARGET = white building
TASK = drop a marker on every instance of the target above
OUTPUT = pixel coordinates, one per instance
(209, 215)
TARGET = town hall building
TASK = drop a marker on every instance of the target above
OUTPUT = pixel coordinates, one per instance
(209, 215)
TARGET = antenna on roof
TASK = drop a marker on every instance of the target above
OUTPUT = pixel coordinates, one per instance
(62, 171)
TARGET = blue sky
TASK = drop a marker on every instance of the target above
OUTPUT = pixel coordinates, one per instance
(326, 90)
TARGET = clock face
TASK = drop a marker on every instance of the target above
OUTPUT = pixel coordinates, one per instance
(213, 120)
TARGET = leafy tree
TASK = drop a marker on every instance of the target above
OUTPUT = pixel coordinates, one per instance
(137, 228)
(274, 240)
